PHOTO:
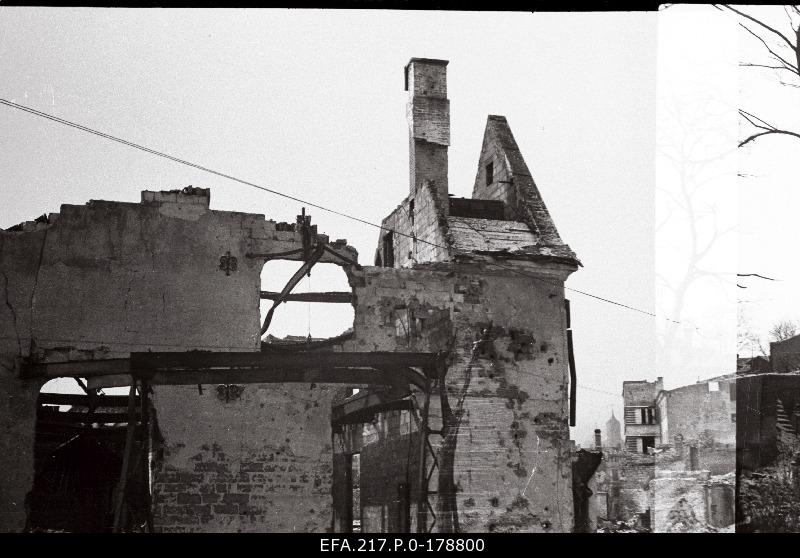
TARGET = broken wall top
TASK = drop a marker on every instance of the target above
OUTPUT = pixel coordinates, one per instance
(164, 274)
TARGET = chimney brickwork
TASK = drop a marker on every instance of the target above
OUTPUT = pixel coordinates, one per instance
(428, 114)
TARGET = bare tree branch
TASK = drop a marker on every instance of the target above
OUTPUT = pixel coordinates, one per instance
(766, 128)
(748, 65)
(775, 55)
(762, 24)
(754, 136)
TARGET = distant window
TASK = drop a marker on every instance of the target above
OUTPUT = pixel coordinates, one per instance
(648, 442)
(733, 417)
(489, 173)
(648, 415)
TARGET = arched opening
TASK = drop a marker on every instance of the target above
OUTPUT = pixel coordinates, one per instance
(319, 307)
(79, 456)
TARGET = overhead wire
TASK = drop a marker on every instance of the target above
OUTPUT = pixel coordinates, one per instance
(110, 137)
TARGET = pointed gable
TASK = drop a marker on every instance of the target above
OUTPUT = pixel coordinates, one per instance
(503, 175)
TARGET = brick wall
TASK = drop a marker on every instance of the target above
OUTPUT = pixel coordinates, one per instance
(260, 463)
(428, 78)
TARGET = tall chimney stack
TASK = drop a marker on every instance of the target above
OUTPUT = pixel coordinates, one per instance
(597, 440)
(428, 114)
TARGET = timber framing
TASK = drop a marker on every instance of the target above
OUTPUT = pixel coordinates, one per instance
(199, 367)
(331, 297)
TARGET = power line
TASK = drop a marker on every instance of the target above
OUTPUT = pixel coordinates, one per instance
(176, 159)
(599, 390)
(299, 200)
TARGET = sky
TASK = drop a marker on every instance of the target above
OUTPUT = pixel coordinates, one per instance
(768, 191)
(312, 103)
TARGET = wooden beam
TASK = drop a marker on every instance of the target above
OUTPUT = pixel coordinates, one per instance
(69, 417)
(347, 376)
(204, 360)
(205, 367)
(56, 428)
(82, 400)
(331, 297)
(126, 459)
(76, 369)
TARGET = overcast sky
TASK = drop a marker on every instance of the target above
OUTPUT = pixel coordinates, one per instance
(311, 103)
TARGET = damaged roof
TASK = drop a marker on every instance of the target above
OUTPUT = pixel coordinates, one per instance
(471, 234)
(529, 205)
(474, 235)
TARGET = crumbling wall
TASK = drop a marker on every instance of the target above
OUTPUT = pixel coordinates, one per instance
(259, 462)
(106, 279)
(640, 393)
(719, 459)
(679, 502)
(422, 219)
(167, 274)
(701, 415)
(627, 483)
(504, 462)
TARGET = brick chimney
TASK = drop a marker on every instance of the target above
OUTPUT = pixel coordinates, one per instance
(428, 114)
(598, 442)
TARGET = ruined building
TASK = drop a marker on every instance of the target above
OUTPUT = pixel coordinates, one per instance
(676, 473)
(641, 422)
(445, 408)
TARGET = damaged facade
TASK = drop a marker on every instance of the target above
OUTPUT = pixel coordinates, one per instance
(446, 408)
(676, 473)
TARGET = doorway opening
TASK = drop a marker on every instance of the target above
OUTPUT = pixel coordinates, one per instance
(79, 452)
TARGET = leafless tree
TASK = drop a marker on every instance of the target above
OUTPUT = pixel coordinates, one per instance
(693, 146)
(748, 342)
(782, 50)
(783, 330)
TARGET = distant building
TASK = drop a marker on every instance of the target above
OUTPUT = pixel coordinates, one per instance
(642, 430)
(675, 472)
(703, 413)
(613, 432)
